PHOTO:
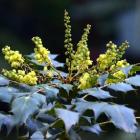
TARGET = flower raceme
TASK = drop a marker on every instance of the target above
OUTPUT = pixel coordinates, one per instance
(41, 53)
(14, 58)
(87, 80)
(22, 77)
(112, 57)
(81, 59)
(77, 60)
(68, 40)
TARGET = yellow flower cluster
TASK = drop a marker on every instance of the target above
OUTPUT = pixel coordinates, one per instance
(119, 64)
(87, 80)
(122, 49)
(112, 58)
(118, 76)
(111, 62)
(22, 77)
(14, 58)
(41, 53)
(105, 61)
(81, 59)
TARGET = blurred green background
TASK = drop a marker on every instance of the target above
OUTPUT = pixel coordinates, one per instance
(116, 20)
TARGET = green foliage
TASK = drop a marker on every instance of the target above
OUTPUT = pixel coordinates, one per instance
(52, 103)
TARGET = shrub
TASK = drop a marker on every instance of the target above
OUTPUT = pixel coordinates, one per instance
(54, 100)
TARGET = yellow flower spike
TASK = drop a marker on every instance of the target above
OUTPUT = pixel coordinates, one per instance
(81, 59)
(21, 72)
(68, 40)
(14, 58)
(30, 78)
(20, 76)
(122, 63)
(41, 53)
(84, 81)
(87, 80)
(106, 60)
(119, 76)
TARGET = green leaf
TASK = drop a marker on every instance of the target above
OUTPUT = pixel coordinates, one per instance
(37, 135)
(126, 70)
(57, 64)
(34, 125)
(3, 81)
(66, 87)
(122, 117)
(7, 121)
(45, 118)
(54, 135)
(50, 92)
(69, 118)
(24, 107)
(53, 56)
(96, 107)
(97, 92)
(102, 79)
(135, 80)
(7, 94)
(135, 69)
(94, 128)
(123, 87)
(39, 97)
(73, 135)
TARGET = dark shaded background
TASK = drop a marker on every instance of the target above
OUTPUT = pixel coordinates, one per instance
(116, 20)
